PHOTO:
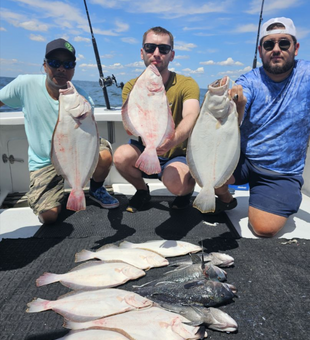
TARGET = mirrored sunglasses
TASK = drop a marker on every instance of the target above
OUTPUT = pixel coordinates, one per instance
(284, 44)
(55, 63)
(163, 48)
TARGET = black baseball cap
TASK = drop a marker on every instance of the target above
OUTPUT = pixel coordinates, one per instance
(59, 44)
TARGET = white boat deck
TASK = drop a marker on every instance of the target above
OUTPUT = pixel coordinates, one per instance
(22, 223)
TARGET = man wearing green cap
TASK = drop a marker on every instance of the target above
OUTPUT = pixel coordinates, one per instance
(38, 96)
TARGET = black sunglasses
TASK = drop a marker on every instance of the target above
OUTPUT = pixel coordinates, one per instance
(284, 44)
(163, 48)
(55, 63)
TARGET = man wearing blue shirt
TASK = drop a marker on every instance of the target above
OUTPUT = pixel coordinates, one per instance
(38, 96)
(274, 109)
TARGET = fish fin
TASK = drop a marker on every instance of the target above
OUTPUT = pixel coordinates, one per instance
(205, 200)
(76, 200)
(46, 279)
(37, 305)
(195, 258)
(148, 162)
(84, 255)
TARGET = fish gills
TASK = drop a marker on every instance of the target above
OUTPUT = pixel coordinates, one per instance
(213, 148)
(146, 113)
(75, 144)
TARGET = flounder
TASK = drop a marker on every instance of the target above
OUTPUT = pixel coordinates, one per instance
(213, 148)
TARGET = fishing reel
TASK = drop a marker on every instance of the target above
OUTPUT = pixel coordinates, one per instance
(108, 81)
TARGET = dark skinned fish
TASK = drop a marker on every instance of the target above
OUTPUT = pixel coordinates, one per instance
(212, 318)
(206, 293)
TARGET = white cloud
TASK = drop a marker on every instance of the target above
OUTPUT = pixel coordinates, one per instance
(181, 57)
(183, 46)
(199, 70)
(2, 29)
(130, 40)
(228, 62)
(89, 65)
(37, 37)
(79, 38)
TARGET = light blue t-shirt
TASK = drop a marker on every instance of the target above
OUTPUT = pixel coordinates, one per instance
(276, 125)
(29, 93)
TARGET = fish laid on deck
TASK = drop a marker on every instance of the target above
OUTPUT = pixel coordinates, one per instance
(82, 306)
(212, 318)
(213, 148)
(146, 113)
(93, 334)
(217, 259)
(75, 144)
(140, 258)
(151, 324)
(203, 292)
(166, 248)
(94, 275)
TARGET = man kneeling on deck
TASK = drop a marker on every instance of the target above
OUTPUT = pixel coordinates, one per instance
(275, 129)
(38, 95)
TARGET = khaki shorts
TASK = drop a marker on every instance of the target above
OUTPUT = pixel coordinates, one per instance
(46, 189)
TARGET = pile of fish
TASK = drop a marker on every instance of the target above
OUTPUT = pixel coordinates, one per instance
(213, 148)
(177, 306)
(75, 144)
(146, 114)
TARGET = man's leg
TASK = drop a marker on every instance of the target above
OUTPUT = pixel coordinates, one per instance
(46, 195)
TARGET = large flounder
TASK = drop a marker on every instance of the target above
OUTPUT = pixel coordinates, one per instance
(146, 113)
(75, 144)
(213, 148)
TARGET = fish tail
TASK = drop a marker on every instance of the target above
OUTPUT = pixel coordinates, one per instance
(84, 255)
(76, 200)
(148, 162)
(37, 305)
(46, 279)
(205, 200)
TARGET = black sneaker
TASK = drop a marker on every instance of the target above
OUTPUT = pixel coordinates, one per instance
(139, 200)
(181, 202)
(221, 206)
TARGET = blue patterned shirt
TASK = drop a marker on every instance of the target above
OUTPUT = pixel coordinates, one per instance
(276, 126)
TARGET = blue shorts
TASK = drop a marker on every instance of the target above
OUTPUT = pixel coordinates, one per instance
(270, 191)
(164, 162)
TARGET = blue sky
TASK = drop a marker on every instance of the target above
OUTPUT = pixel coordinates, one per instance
(212, 38)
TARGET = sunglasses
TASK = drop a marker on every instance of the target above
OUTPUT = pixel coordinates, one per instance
(284, 44)
(55, 63)
(163, 48)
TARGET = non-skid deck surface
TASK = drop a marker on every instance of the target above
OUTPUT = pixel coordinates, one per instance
(273, 279)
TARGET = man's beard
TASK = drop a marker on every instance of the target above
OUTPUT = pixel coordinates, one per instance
(278, 69)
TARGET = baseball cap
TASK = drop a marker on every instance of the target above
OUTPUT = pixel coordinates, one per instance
(289, 27)
(59, 44)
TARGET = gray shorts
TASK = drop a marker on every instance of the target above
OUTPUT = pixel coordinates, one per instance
(46, 189)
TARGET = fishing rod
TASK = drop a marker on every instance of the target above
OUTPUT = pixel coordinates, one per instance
(259, 23)
(103, 82)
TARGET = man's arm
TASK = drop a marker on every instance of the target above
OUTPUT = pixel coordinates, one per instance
(190, 113)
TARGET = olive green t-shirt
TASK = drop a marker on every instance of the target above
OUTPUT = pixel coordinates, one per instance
(178, 89)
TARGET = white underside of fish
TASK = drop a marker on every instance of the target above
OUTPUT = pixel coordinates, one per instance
(146, 113)
(82, 306)
(94, 275)
(213, 148)
(151, 324)
(166, 248)
(75, 144)
(140, 258)
(93, 334)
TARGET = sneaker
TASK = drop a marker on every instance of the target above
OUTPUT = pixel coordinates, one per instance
(221, 206)
(102, 197)
(181, 202)
(139, 200)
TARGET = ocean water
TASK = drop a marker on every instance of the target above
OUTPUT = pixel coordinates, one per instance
(94, 90)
